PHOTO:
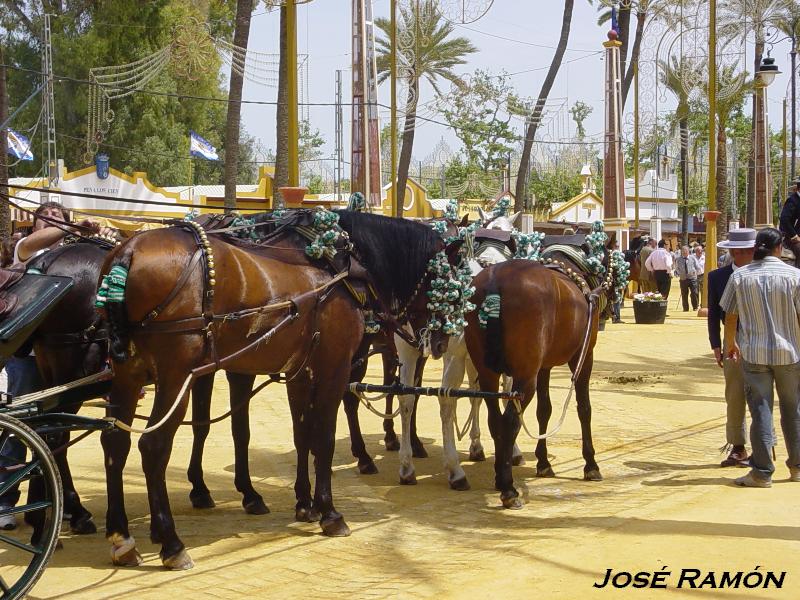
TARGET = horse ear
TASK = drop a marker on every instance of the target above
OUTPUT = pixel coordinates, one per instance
(484, 216)
(464, 221)
(514, 217)
(451, 250)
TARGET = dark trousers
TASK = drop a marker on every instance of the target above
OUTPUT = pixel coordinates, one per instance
(795, 246)
(663, 282)
(689, 286)
(23, 378)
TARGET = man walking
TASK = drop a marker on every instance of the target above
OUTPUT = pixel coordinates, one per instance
(740, 245)
(659, 263)
(686, 270)
(790, 221)
(764, 297)
(699, 257)
(646, 281)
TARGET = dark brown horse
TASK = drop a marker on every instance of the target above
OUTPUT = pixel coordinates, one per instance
(544, 321)
(273, 310)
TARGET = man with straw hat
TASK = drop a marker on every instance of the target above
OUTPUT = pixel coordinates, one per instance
(741, 245)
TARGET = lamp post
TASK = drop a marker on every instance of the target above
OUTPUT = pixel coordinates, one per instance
(711, 213)
(763, 183)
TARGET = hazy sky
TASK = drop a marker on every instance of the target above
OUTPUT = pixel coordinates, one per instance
(325, 30)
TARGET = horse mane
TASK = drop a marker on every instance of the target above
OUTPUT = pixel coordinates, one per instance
(395, 252)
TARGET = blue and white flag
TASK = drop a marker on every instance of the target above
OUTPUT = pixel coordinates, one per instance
(201, 147)
(19, 146)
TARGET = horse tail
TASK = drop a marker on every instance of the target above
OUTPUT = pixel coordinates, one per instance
(113, 300)
(489, 318)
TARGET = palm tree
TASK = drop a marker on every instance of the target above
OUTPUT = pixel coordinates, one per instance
(433, 57)
(244, 8)
(674, 76)
(282, 118)
(789, 24)
(536, 114)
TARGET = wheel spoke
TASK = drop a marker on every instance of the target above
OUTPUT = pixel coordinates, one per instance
(20, 545)
(4, 586)
(17, 476)
(14, 510)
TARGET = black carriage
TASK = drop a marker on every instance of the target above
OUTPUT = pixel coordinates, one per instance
(26, 424)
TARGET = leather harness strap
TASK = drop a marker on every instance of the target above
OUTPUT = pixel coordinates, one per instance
(187, 271)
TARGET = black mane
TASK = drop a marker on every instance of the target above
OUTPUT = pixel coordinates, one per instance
(394, 251)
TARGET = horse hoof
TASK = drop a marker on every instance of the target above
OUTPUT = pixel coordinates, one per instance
(335, 527)
(306, 515)
(419, 451)
(518, 460)
(408, 479)
(392, 444)
(592, 475)
(514, 503)
(83, 525)
(124, 552)
(368, 468)
(255, 507)
(460, 485)
(545, 472)
(178, 562)
(202, 500)
(477, 455)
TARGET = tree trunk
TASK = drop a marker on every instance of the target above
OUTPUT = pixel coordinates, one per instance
(282, 120)
(684, 133)
(5, 210)
(404, 162)
(244, 8)
(750, 208)
(624, 23)
(723, 193)
(522, 173)
(641, 17)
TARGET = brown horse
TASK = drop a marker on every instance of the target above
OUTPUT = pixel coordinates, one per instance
(273, 310)
(546, 319)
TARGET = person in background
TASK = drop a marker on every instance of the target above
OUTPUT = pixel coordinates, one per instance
(646, 281)
(740, 245)
(686, 270)
(699, 257)
(659, 263)
(790, 221)
(763, 299)
(724, 259)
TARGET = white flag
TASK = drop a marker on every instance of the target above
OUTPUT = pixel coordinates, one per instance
(19, 146)
(201, 147)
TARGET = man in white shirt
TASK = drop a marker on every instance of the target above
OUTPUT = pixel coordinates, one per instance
(659, 263)
(699, 257)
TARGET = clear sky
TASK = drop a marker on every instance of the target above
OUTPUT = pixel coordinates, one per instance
(325, 30)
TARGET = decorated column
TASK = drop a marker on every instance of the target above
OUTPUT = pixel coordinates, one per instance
(614, 217)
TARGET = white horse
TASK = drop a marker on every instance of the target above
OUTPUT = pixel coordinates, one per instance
(456, 363)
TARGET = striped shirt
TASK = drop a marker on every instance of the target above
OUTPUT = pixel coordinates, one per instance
(766, 296)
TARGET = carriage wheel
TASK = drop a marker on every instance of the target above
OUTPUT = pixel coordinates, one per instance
(22, 559)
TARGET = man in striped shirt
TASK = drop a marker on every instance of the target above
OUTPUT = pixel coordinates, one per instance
(764, 299)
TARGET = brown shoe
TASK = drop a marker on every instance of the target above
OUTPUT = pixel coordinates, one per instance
(794, 474)
(737, 458)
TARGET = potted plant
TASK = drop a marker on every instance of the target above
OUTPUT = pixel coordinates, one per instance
(650, 307)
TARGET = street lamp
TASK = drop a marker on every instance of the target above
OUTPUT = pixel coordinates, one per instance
(763, 183)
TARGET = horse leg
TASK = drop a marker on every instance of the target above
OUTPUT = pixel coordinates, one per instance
(298, 391)
(155, 448)
(200, 496)
(476, 452)
(390, 365)
(544, 408)
(591, 472)
(323, 410)
(452, 376)
(509, 428)
(366, 466)
(241, 388)
(408, 362)
(417, 449)
(517, 459)
(80, 520)
(116, 444)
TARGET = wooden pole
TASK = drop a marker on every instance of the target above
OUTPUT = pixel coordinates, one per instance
(636, 144)
(291, 93)
(711, 213)
(393, 118)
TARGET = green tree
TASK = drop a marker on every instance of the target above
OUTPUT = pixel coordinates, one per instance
(480, 112)
(550, 187)
(434, 56)
(580, 112)
(150, 129)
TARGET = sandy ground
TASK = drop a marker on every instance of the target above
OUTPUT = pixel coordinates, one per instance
(658, 423)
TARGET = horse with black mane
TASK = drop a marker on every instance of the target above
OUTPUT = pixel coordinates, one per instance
(182, 304)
